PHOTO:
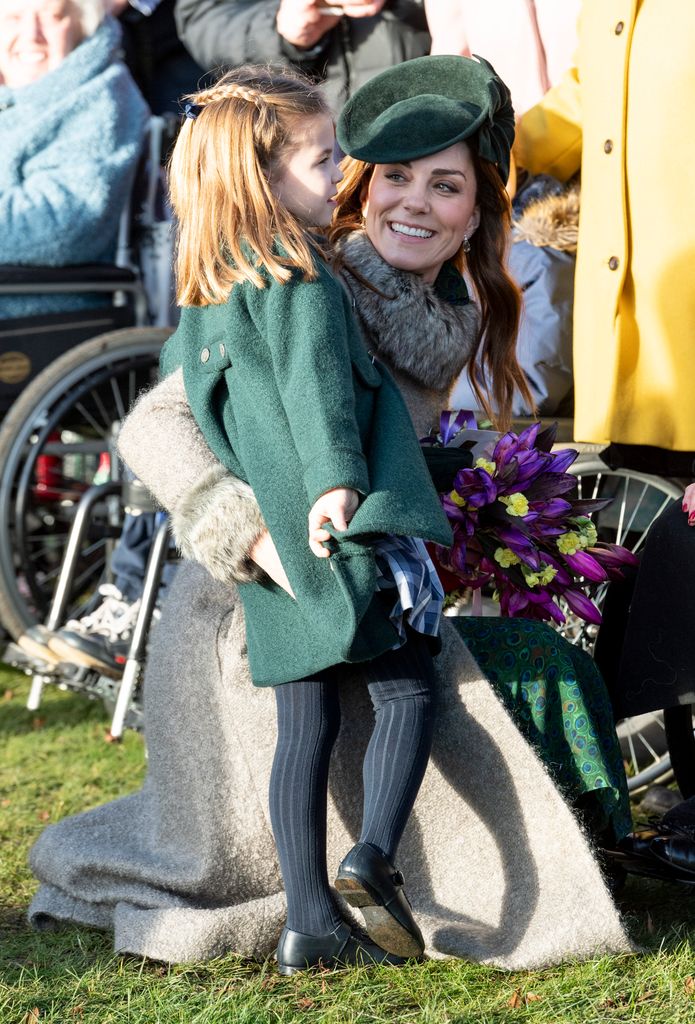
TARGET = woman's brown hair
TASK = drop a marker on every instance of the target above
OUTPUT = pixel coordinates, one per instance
(229, 223)
(494, 351)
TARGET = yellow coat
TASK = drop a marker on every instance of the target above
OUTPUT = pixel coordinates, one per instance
(625, 111)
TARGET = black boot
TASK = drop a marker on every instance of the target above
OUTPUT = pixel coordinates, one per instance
(370, 883)
(298, 952)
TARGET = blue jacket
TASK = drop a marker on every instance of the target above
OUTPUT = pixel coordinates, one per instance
(70, 145)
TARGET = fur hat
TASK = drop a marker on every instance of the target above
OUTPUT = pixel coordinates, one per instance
(424, 105)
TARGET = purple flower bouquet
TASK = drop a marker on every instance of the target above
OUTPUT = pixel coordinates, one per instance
(517, 528)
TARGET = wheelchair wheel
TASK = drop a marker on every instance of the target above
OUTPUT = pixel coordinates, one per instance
(57, 436)
(638, 499)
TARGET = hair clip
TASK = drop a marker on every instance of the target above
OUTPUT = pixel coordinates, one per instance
(191, 110)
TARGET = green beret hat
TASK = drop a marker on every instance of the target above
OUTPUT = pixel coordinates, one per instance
(424, 105)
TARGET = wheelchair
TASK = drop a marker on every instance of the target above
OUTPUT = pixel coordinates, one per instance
(66, 381)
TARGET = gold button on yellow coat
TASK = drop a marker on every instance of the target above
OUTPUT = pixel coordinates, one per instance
(633, 85)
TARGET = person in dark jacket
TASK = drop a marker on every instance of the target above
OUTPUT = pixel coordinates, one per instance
(160, 64)
(343, 48)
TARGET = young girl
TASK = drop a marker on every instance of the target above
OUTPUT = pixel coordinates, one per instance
(287, 398)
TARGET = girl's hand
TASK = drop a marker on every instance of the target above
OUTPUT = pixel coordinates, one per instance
(337, 507)
(689, 504)
(264, 553)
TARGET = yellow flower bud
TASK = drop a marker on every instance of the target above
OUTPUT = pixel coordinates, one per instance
(506, 557)
(489, 467)
(569, 543)
(532, 578)
(517, 504)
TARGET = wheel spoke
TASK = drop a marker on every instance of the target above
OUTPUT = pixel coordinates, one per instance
(120, 407)
(87, 574)
(103, 412)
(90, 419)
(643, 536)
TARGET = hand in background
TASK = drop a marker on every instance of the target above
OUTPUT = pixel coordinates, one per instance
(445, 21)
(359, 8)
(337, 507)
(689, 503)
(116, 7)
(264, 553)
(301, 23)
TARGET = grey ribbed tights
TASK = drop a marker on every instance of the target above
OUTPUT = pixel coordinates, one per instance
(400, 685)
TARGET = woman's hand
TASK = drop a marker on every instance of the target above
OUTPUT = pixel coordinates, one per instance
(337, 507)
(264, 553)
(689, 504)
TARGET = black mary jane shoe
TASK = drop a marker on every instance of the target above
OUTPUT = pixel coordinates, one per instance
(340, 948)
(678, 852)
(648, 853)
(368, 882)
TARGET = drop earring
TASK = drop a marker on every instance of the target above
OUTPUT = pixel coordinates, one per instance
(466, 244)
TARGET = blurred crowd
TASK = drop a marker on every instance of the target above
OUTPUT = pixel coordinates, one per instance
(74, 121)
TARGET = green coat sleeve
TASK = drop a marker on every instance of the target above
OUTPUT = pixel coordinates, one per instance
(306, 330)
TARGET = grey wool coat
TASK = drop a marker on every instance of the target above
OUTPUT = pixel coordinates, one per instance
(497, 867)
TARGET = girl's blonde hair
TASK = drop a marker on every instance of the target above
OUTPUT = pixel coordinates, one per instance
(494, 350)
(229, 223)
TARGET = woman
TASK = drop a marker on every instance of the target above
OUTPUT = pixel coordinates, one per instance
(615, 115)
(72, 122)
(187, 869)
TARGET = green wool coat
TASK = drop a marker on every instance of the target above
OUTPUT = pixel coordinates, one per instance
(288, 399)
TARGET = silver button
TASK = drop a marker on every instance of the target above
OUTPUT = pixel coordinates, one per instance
(221, 349)
(613, 263)
(205, 355)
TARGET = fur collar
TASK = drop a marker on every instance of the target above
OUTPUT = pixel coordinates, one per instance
(411, 326)
(551, 221)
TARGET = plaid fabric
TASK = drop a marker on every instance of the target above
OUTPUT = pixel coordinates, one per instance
(403, 564)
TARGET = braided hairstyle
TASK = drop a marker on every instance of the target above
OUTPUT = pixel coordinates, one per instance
(229, 223)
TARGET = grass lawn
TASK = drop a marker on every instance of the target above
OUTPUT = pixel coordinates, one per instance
(56, 763)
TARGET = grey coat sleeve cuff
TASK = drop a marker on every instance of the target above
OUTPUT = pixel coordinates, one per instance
(215, 517)
(217, 523)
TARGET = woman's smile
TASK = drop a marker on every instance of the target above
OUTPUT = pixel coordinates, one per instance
(410, 230)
